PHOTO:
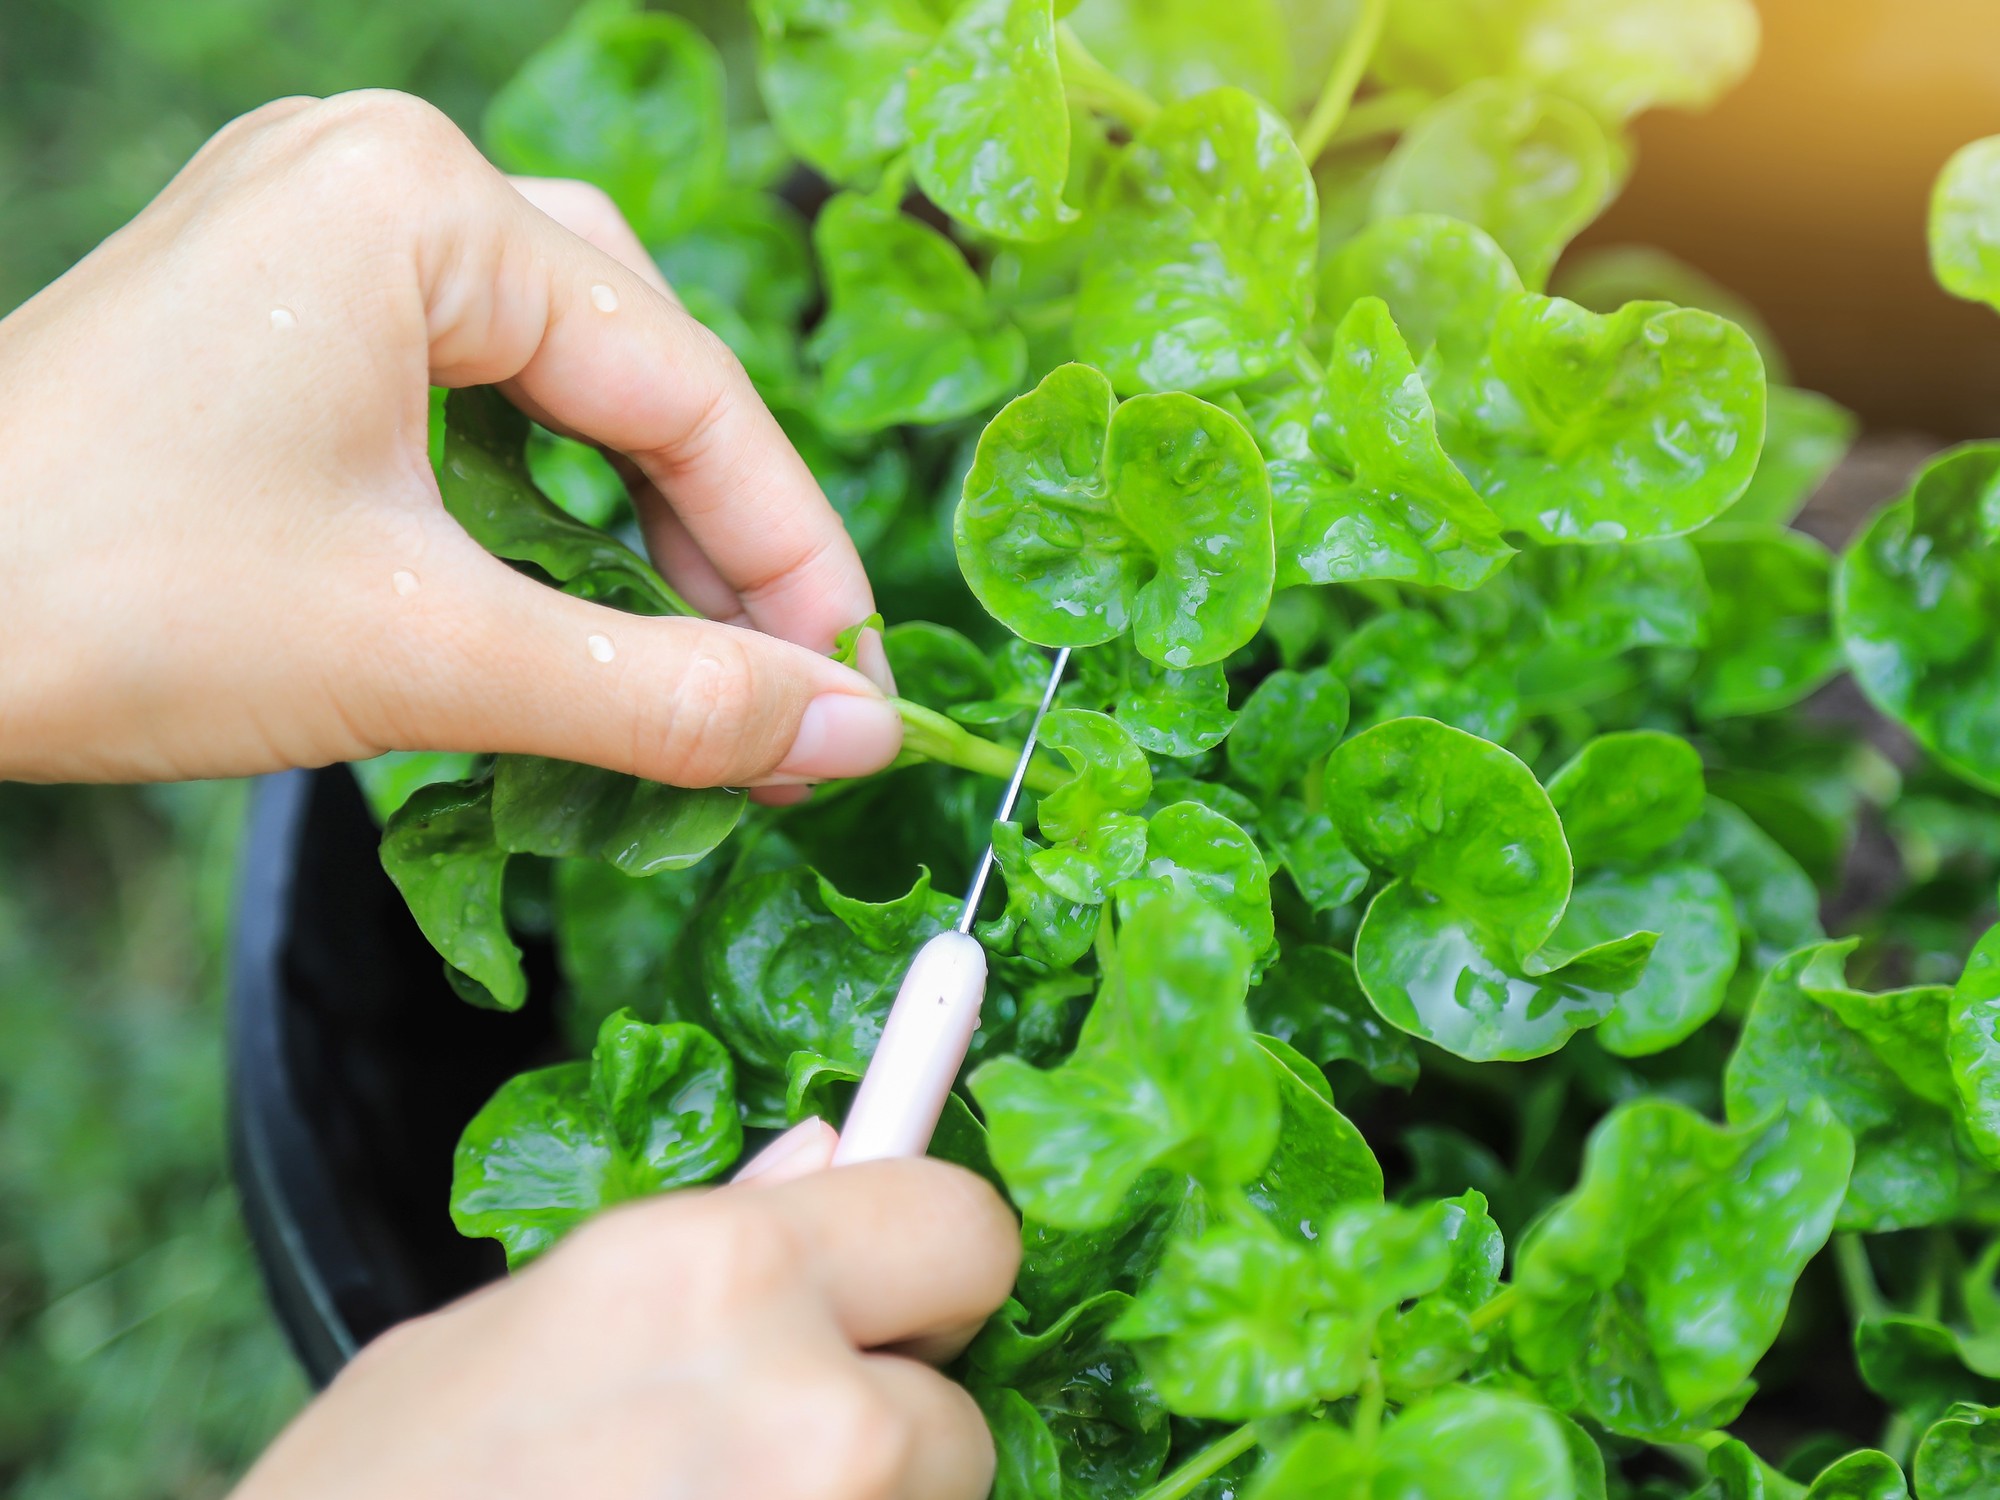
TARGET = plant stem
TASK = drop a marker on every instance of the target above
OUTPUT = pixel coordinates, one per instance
(1495, 1308)
(1307, 366)
(895, 184)
(1388, 113)
(1368, 1405)
(1857, 1278)
(1217, 1456)
(1331, 111)
(1091, 81)
(929, 735)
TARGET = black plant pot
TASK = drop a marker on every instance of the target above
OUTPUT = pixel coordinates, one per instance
(352, 1069)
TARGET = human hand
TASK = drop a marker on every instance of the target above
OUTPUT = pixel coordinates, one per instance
(222, 550)
(709, 1346)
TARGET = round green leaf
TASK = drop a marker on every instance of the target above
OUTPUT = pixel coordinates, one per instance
(567, 811)
(1965, 224)
(1312, 1000)
(439, 850)
(1196, 851)
(1687, 977)
(630, 101)
(1641, 424)
(1462, 819)
(1974, 1046)
(654, 1108)
(1770, 632)
(1200, 274)
(1437, 974)
(909, 335)
(1530, 169)
(1289, 723)
(1177, 48)
(1080, 518)
(990, 122)
(1916, 599)
(835, 76)
(1628, 795)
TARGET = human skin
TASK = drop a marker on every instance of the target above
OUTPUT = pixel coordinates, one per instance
(222, 551)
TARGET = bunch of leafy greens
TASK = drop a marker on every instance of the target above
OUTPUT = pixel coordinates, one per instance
(1438, 755)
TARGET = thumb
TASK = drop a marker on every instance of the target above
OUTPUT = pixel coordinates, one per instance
(510, 665)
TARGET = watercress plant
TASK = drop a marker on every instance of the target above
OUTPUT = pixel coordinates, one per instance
(1412, 1047)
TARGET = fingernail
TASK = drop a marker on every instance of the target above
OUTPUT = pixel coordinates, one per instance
(871, 660)
(842, 735)
(800, 1151)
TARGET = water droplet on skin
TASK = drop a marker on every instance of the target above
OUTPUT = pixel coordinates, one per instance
(404, 582)
(600, 648)
(283, 318)
(603, 298)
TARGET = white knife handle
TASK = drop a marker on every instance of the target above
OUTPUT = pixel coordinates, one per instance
(923, 1046)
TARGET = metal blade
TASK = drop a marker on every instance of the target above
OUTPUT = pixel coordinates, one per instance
(978, 886)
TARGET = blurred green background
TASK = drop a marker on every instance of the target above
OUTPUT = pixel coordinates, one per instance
(137, 1357)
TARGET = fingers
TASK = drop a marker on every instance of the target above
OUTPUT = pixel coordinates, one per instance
(804, 1149)
(947, 1450)
(490, 660)
(588, 213)
(597, 348)
(900, 1250)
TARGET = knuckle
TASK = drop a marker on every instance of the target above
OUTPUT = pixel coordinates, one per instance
(696, 733)
(374, 144)
(864, 1440)
(989, 1228)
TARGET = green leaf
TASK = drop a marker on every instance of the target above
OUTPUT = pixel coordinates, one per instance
(1407, 663)
(1199, 277)
(1965, 224)
(1508, 1448)
(1917, 595)
(626, 944)
(1770, 635)
(1687, 976)
(1641, 424)
(388, 781)
(1806, 438)
(1027, 1464)
(654, 1108)
(1194, 851)
(1082, 518)
(1860, 1476)
(835, 76)
(1973, 1046)
(1920, 1366)
(1793, 1045)
(909, 335)
(1531, 169)
(1242, 1323)
(1166, 1072)
(1312, 1000)
(1777, 908)
(1312, 851)
(1627, 1310)
(487, 489)
(580, 812)
(1441, 976)
(1177, 48)
(791, 965)
(936, 666)
(1321, 1163)
(630, 101)
(440, 852)
(1109, 1423)
(1626, 796)
(1616, 57)
(1376, 497)
(990, 121)
(1959, 1457)
(1043, 924)
(1092, 819)
(1169, 711)
(1461, 818)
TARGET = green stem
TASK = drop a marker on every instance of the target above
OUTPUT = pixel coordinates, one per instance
(1094, 83)
(929, 735)
(1309, 369)
(1857, 1278)
(1389, 113)
(1216, 1457)
(1369, 1403)
(1331, 112)
(1495, 1308)
(895, 184)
